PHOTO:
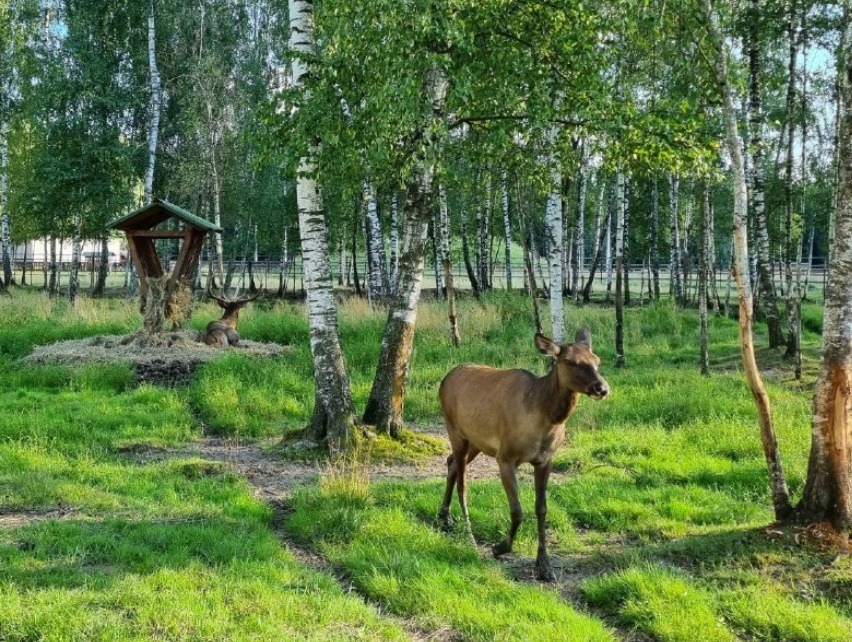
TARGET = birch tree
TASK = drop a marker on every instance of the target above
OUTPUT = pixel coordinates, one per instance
(703, 274)
(758, 201)
(385, 406)
(334, 413)
(554, 253)
(780, 492)
(507, 227)
(6, 88)
(620, 209)
(828, 489)
(674, 224)
(156, 100)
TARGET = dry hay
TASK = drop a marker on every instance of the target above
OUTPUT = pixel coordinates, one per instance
(179, 308)
(160, 305)
(167, 358)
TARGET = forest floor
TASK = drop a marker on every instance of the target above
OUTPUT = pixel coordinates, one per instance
(139, 512)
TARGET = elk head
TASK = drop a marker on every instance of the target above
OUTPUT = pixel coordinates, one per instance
(223, 331)
(575, 364)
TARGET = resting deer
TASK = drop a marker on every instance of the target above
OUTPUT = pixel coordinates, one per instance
(516, 417)
(223, 331)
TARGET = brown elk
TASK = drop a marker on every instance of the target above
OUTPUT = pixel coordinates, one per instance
(223, 331)
(516, 417)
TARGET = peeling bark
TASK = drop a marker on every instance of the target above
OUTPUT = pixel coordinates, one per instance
(828, 490)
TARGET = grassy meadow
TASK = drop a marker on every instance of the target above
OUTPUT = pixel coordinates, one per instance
(659, 512)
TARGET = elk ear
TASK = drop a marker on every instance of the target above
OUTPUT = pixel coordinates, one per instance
(584, 337)
(545, 345)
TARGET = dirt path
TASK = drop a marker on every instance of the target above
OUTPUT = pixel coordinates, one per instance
(273, 479)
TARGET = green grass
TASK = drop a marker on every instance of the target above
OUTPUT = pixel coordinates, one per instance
(658, 510)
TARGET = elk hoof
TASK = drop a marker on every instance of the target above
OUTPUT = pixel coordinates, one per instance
(445, 520)
(502, 548)
(543, 570)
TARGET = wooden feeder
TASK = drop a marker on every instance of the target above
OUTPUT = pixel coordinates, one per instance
(139, 226)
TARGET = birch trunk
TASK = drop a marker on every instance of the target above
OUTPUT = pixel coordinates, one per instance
(485, 252)
(554, 254)
(600, 230)
(619, 262)
(789, 236)
(444, 248)
(376, 275)
(625, 243)
(334, 413)
(103, 268)
(468, 265)
(507, 228)
(654, 239)
(703, 273)
(567, 238)
(685, 258)
(53, 284)
(156, 99)
(828, 490)
(5, 116)
(76, 244)
(5, 231)
(674, 224)
(283, 264)
(780, 492)
(385, 406)
(578, 259)
(394, 247)
(610, 216)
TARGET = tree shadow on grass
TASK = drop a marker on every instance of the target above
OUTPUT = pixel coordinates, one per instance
(75, 553)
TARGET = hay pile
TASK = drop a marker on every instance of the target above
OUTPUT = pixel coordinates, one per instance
(167, 358)
(160, 306)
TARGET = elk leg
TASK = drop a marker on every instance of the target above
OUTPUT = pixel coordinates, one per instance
(452, 474)
(460, 460)
(509, 477)
(542, 562)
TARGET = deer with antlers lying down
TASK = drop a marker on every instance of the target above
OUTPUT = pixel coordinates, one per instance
(223, 331)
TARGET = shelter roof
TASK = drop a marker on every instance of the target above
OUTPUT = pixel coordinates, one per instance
(158, 211)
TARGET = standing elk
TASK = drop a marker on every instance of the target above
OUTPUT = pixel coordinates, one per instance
(516, 417)
(223, 332)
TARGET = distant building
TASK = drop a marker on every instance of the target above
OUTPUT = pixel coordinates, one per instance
(37, 251)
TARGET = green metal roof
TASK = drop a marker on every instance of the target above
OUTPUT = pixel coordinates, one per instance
(149, 216)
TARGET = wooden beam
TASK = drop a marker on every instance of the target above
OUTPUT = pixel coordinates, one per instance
(157, 234)
(181, 260)
(140, 272)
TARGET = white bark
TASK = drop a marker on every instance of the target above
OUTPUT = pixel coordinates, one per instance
(5, 114)
(620, 212)
(555, 251)
(376, 290)
(507, 227)
(333, 411)
(608, 251)
(443, 231)
(579, 257)
(156, 98)
(76, 247)
(394, 245)
(674, 267)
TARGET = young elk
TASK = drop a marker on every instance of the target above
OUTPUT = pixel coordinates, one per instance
(223, 332)
(516, 417)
